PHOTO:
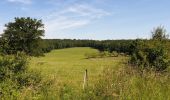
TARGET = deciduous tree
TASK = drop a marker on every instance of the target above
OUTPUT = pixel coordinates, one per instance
(23, 35)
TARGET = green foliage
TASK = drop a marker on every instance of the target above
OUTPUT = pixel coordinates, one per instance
(91, 55)
(115, 82)
(29, 78)
(23, 35)
(11, 66)
(158, 58)
(150, 54)
(105, 45)
(114, 54)
(9, 90)
(15, 76)
(66, 93)
(101, 54)
(159, 33)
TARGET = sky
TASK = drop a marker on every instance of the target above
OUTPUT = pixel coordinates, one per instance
(91, 19)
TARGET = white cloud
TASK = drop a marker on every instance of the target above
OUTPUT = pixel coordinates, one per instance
(74, 16)
(85, 10)
(1, 26)
(21, 1)
(1, 29)
(54, 25)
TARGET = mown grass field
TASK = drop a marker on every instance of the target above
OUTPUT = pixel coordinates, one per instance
(68, 65)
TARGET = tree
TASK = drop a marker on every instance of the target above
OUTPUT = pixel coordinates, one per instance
(23, 35)
(159, 33)
(151, 54)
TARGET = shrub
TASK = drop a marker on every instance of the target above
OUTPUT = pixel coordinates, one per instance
(101, 54)
(30, 78)
(15, 76)
(150, 54)
(91, 55)
(114, 54)
(158, 58)
(11, 66)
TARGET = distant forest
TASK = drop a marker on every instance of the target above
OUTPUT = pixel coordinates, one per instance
(104, 45)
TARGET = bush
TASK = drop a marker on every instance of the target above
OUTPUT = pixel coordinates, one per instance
(114, 54)
(9, 90)
(101, 54)
(11, 66)
(150, 55)
(15, 76)
(158, 58)
(91, 55)
(30, 78)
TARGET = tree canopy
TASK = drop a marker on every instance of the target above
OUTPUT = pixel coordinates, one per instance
(23, 35)
(159, 33)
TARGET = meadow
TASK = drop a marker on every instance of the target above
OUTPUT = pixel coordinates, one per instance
(58, 75)
(69, 65)
(66, 69)
(109, 77)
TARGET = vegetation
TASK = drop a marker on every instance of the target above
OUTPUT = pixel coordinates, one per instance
(22, 35)
(58, 80)
(152, 53)
(65, 82)
(159, 33)
(68, 80)
(127, 83)
(101, 54)
(15, 76)
(58, 61)
(117, 69)
(106, 45)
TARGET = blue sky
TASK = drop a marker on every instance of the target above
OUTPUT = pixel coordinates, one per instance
(91, 19)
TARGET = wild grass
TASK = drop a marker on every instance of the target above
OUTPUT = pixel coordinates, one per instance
(128, 83)
(66, 67)
(109, 78)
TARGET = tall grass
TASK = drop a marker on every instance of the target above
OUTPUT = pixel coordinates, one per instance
(63, 81)
(128, 83)
(117, 81)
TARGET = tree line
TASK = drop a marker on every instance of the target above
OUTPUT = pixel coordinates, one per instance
(105, 45)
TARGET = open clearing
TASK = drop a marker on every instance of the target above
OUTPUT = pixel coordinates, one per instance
(68, 65)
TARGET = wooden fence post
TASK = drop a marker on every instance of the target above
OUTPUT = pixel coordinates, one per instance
(85, 83)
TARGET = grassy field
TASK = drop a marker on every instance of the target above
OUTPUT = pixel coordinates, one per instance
(109, 78)
(68, 65)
